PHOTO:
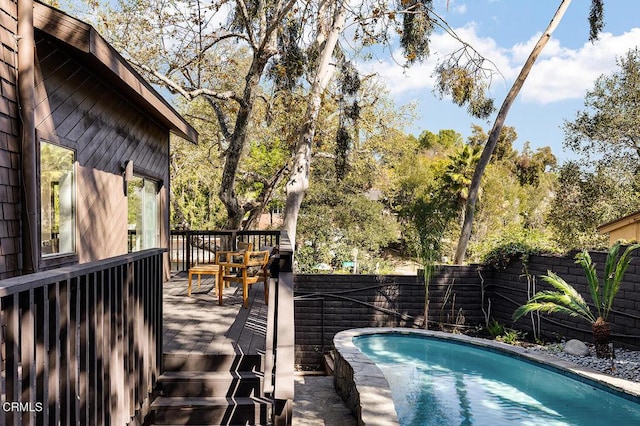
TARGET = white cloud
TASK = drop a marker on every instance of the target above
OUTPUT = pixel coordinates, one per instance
(419, 76)
(568, 74)
(559, 74)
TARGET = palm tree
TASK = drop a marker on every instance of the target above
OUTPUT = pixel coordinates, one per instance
(565, 299)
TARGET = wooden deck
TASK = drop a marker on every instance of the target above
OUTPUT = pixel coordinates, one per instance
(197, 324)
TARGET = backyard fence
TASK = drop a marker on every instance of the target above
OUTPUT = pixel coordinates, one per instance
(82, 344)
(464, 297)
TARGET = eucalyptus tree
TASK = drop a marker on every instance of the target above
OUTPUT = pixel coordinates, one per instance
(596, 25)
(462, 75)
(235, 54)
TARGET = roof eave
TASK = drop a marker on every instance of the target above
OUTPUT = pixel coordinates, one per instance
(86, 40)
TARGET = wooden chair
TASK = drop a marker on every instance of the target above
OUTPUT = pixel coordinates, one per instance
(230, 257)
(250, 270)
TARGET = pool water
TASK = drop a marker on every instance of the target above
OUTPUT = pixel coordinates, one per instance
(439, 382)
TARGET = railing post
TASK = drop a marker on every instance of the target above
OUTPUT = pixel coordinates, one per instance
(72, 340)
(187, 237)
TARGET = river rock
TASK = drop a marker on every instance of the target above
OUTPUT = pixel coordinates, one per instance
(576, 347)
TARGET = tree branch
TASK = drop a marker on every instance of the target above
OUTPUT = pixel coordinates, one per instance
(222, 119)
(188, 94)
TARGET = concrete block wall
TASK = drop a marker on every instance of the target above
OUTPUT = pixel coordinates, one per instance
(511, 287)
(328, 304)
(9, 144)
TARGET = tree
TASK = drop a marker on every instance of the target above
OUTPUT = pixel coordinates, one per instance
(428, 208)
(328, 31)
(504, 146)
(530, 166)
(193, 50)
(444, 139)
(586, 199)
(595, 20)
(345, 210)
(608, 127)
(186, 45)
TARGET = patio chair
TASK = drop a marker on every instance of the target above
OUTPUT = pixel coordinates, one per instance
(249, 271)
(225, 258)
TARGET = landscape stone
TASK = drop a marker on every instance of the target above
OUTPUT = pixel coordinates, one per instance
(576, 347)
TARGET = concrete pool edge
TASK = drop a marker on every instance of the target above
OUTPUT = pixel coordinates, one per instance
(365, 390)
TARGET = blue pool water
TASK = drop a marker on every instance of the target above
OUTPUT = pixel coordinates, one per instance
(439, 382)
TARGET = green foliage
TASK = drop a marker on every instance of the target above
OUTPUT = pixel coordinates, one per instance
(586, 199)
(504, 147)
(495, 328)
(614, 270)
(338, 226)
(511, 336)
(502, 256)
(530, 167)
(565, 299)
(509, 212)
(340, 216)
(417, 28)
(444, 141)
(607, 127)
(465, 86)
(504, 334)
(596, 19)
(457, 175)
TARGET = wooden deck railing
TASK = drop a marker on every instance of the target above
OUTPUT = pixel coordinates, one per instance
(279, 349)
(194, 247)
(82, 344)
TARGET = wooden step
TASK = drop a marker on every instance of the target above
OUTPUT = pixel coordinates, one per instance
(211, 362)
(209, 411)
(204, 384)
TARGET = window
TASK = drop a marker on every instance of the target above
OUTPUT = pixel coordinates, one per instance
(57, 199)
(144, 226)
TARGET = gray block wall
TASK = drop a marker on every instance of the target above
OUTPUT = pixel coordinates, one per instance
(327, 304)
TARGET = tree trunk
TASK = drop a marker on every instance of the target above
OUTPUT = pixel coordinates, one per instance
(263, 198)
(601, 337)
(474, 187)
(299, 180)
(227, 194)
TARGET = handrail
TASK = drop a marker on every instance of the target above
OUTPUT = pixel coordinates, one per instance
(190, 247)
(279, 350)
(21, 283)
(83, 343)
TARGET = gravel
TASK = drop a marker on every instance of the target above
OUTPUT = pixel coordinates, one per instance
(625, 364)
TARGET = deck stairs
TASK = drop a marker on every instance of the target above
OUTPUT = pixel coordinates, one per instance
(208, 389)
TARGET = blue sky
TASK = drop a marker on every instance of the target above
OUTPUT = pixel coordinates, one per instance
(505, 31)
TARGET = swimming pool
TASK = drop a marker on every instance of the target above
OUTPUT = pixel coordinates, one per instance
(441, 379)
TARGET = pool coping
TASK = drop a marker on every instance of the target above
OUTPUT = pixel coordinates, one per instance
(363, 387)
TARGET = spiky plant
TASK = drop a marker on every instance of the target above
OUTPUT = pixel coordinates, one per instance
(565, 299)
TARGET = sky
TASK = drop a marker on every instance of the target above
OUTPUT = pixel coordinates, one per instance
(505, 31)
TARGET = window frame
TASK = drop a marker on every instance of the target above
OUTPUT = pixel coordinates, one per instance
(67, 257)
(132, 245)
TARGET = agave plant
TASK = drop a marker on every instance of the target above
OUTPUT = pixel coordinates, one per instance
(565, 299)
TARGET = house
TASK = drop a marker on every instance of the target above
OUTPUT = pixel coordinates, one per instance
(626, 228)
(84, 145)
